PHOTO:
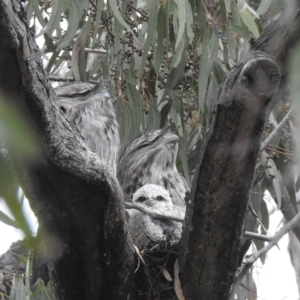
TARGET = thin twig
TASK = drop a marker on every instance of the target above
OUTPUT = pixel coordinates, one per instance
(174, 216)
(252, 259)
(93, 4)
(100, 51)
(66, 79)
(107, 28)
(272, 135)
(137, 10)
(257, 236)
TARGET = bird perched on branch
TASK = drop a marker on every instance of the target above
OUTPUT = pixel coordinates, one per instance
(145, 229)
(151, 159)
(89, 109)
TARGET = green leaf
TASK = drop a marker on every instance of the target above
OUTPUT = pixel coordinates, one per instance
(47, 293)
(52, 60)
(248, 19)
(97, 20)
(62, 58)
(4, 218)
(29, 11)
(276, 181)
(189, 21)
(287, 174)
(118, 16)
(39, 288)
(37, 11)
(161, 28)
(264, 214)
(79, 57)
(27, 274)
(153, 120)
(263, 7)
(164, 114)
(74, 17)
(58, 7)
(179, 55)
(259, 245)
(135, 108)
(124, 118)
(181, 10)
(230, 43)
(153, 14)
(223, 15)
(13, 287)
(208, 55)
(218, 72)
(20, 291)
(256, 198)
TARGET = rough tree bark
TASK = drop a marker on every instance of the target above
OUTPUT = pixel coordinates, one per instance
(294, 250)
(79, 204)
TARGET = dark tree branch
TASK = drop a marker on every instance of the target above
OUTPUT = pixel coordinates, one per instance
(261, 237)
(78, 202)
(66, 79)
(209, 252)
(175, 215)
(215, 213)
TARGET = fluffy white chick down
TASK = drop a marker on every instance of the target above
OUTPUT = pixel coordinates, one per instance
(145, 229)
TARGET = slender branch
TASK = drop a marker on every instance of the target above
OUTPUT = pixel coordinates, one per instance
(66, 79)
(252, 259)
(272, 135)
(257, 236)
(100, 51)
(137, 10)
(93, 4)
(176, 215)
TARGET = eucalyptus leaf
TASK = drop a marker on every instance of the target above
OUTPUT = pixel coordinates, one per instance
(208, 55)
(263, 7)
(161, 28)
(264, 214)
(4, 218)
(249, 20)
(34, 5)
(135, 109)
(274, 173)
(181, 10)
(97, 20)
(74, 17)
(14, 288)
(58, 7)
(153, 116)
(21, 291)
(118, 16)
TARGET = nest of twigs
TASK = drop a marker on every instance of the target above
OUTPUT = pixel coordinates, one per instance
(156, 272)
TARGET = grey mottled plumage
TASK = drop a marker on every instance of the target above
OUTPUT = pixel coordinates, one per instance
(151, 159)
(145, 229)
(90, 111)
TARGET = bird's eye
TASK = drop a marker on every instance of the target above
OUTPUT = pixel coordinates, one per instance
(160, 198)
(141, 199)
(144, 145)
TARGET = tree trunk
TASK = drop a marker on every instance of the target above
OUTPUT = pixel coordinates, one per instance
(79, 203)
(294, 250)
